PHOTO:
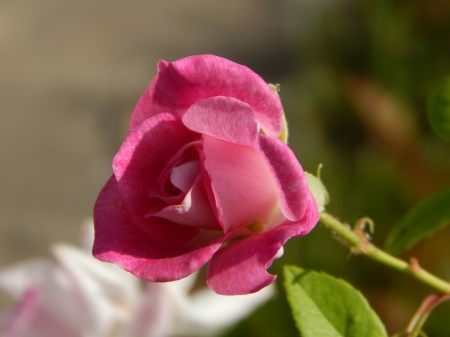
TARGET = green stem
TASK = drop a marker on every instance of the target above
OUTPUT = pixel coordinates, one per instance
(360, 244)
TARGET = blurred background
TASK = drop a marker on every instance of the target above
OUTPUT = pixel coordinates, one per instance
(355, 77)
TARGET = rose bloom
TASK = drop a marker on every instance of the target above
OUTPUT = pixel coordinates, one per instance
(204, 175)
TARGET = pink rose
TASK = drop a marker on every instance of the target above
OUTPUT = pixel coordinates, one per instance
(201, 166)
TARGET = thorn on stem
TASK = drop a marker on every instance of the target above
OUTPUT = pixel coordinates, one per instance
(360, 227)
(414, 265)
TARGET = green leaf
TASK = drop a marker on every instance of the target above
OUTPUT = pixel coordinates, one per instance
(439, 110)
(423, 220)
(324, 306)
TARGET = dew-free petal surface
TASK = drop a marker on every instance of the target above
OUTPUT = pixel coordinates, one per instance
(205, 313)
(195, 210)
(289, 176)
(233, 121)
(137, 167)
(96, 288)
(243, 186)
(118, 241)
(16, 279)
(29, 318)
(240, 266)
(182, 83)
(184, 175)
(223, 118)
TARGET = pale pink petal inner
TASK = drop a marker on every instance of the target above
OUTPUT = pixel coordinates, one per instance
(243, 186)
(184, 175)
(166, 189)
(195, 210)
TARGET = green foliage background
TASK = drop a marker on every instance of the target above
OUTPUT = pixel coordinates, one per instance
(355, 97)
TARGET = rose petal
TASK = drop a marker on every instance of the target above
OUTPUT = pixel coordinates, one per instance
(182, 83)
(240, 266)
(289, 176)
(99, 291)
(195, 210)
(233, 121)
(158, 229)
(223, 118)
(88, 305)
(184, 175)
(154, 314)
(204, 313)
(137, 167)
(216, 312)
(31, 318)
(19, 319)
(16, 279)
(244, 189)
(118, 241)
(165, 188)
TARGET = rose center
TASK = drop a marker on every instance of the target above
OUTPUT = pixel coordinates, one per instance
(180, 173)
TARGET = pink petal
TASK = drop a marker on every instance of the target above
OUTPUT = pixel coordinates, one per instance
(195, 210)
(22, 316)
(310, 217)
(16, 279)
(289, 176)
(233, 121)
(153, 316)
(158, 229)
(224, 118)
(93, 288)
(240, 267)
(137, 167)
(184, 175)
(117, 240)
(182, 83)
(210, 313)
(243, 185)
(31, 318)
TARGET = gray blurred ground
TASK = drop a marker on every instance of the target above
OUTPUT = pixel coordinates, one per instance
(70, 74)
